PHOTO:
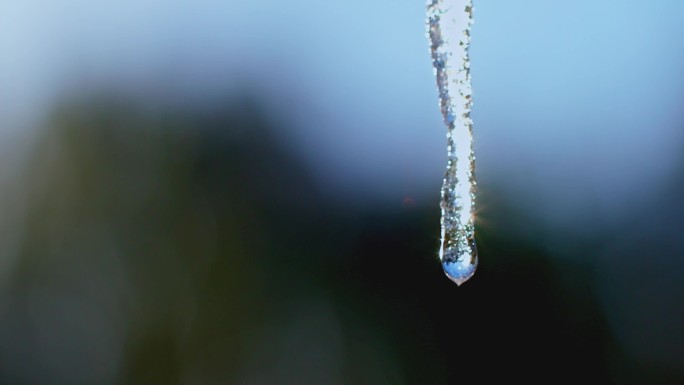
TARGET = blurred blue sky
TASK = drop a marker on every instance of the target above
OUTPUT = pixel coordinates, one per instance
(577, 104)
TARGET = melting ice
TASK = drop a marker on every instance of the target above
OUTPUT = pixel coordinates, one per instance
(449, 23)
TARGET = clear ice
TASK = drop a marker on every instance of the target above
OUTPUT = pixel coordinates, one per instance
(448, 24)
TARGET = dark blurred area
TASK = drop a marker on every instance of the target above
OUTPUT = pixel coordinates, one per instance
(248, 193)
(171, 246)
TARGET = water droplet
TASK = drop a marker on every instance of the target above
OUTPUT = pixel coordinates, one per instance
(459, 260)
(448, 26)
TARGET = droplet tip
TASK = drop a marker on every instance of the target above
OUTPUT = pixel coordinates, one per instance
(458, 282)
(459, 273)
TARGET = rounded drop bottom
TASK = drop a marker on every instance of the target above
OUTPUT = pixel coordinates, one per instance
(459, 272)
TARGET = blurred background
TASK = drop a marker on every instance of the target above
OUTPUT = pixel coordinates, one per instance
(236, 192)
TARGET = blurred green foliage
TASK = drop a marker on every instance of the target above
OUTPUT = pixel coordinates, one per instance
(167, 245)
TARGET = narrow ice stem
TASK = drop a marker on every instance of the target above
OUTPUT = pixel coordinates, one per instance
(449, 23)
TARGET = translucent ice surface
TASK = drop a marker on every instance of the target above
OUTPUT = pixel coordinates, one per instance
(448, 24)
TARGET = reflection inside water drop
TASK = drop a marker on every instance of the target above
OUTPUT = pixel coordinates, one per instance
(459, 264)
